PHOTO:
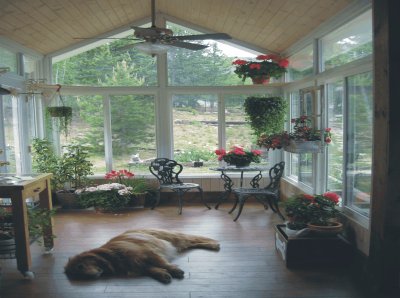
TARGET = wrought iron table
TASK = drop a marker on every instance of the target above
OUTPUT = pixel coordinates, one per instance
(228, 183)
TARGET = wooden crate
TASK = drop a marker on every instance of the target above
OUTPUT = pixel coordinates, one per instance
(312, 250)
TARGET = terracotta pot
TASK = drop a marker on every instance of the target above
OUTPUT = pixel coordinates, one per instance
(264, 80)
(333, 229)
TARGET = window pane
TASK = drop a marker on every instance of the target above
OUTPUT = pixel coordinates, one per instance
(238, 130)
(10, 131)
(301, 64)
(107, 65)
(87, 127)
(8, 59)
(209, 67)
(133, 132)
(359, 146)
(348, 43)
(335, 148)
(195, 130)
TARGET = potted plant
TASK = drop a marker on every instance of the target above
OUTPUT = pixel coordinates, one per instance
(303, 139)
(110, 197)
(238, 157)
(139, 187)
(265, 114)
(262, 70)
(39, 220)
(62, 115)
(44, 160)
(74, 166)
(318, 213)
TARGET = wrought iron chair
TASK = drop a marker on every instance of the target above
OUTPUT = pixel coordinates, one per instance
(167, 171)
(267, 195)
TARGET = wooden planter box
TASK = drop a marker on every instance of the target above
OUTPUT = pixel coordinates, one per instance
(304, 147)
(312, 250)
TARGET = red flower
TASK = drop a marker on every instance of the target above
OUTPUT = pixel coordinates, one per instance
(255, 66)
(332, 197)
(220, 151)
(283, 63)
(239, 62)
(308, 197)
(256, 152)
(263, 57)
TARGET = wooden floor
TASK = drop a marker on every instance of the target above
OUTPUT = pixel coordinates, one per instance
(247, 265)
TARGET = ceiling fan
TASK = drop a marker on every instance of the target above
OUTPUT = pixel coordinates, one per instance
(155, 40)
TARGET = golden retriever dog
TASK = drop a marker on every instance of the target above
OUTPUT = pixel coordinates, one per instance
(135, 253)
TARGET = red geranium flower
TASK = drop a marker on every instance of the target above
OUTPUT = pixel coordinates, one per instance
(332, 196)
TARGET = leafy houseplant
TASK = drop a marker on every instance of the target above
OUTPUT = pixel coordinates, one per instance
(111, 197)
(75, 165)
(44, 160)
(265, 114)
(265, 67)
(318, 210)
(239, 157)
(39, 220)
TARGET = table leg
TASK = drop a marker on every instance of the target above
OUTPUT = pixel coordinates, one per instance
(21, 231)
(228, 183)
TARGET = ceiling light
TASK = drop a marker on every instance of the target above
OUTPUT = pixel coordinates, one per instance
(152, 48)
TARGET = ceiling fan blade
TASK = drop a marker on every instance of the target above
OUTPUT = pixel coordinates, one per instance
(204, 36)
(101, 38)
(187, 45)
(126, 47)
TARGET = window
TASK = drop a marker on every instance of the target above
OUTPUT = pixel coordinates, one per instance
(359, 142)
(348, 43)
(9, 113)
(301, 165)
(301, 64)
(107, 65)
(8, 59)
(195, 129)
(237, 130)
(133, 132)
(87, 127)
(335, 99)
(209, 67)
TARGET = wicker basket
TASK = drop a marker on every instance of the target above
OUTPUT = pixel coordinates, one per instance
(304, 147)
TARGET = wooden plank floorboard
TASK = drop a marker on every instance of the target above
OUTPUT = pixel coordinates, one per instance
(247, 266)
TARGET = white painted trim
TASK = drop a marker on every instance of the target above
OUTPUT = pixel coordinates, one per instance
(18, 48)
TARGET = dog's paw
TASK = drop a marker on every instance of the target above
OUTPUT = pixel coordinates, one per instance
(177, 272)
(165, 278)
(215, 246)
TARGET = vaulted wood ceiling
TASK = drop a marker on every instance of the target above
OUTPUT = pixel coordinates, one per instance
(47, 26)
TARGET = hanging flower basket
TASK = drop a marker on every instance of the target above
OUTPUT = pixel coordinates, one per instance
(296, 146)
(58, 112)
(260, 80)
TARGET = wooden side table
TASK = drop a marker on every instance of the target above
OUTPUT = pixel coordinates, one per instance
(19, 189)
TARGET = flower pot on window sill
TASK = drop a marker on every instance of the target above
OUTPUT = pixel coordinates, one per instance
(296, 146)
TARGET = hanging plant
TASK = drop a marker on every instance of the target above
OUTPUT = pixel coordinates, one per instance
(265, 114)
(62, 114)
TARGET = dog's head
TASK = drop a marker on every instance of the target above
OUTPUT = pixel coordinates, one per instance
(87, 266)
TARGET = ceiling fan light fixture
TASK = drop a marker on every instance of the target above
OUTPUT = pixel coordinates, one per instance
(152, 48)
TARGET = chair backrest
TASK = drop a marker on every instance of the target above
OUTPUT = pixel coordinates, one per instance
(275, 175)
(166, 170)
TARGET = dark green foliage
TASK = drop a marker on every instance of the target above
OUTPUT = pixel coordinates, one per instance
(44, 160)
(75, 165)
(265, 114)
